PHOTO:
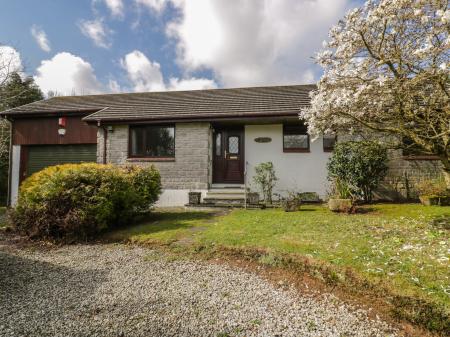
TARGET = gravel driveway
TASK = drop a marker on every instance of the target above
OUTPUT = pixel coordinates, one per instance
(117, 290)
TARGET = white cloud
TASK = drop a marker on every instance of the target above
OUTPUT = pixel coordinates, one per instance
(114, 86)
(97, 31)
(10, 61)
(116, 7)
(67, 74)
(253, 42)
(191, 84)
(146, 75)
(153, 5)
(41, 38)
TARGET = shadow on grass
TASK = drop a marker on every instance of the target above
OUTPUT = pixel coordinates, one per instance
(441, 222)
(162, 221)
(365, 210)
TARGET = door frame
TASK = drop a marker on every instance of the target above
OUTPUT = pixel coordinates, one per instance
(217, 160)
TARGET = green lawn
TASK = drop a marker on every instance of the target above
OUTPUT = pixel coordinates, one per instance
(406, 247)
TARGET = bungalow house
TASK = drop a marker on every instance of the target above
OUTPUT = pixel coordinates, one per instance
(202, 140)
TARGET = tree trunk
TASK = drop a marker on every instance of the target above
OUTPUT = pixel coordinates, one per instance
(447, 178)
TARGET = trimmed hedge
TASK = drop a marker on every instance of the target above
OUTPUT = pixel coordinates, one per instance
(78, 201)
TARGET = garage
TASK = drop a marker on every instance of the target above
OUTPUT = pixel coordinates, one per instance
(40, 157)
(45, 138)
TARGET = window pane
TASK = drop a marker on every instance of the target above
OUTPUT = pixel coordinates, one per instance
(137, 141)
(328, 142)
(233, 145)
(160, 142)
(153, 141)
(218, 144)
(296, 141)
(295, 137)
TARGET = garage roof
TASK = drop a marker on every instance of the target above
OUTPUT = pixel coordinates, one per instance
(174, 105)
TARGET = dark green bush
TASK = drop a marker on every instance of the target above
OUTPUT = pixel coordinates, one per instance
(73, 202)
(360, 165)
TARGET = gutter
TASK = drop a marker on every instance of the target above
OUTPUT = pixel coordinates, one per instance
(190, 118)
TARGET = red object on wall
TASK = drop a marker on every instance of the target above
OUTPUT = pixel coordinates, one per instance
(62, 121)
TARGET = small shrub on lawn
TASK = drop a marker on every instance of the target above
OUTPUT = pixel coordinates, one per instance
(360, 165)
(77, 201)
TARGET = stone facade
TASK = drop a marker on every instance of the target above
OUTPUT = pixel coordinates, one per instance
(191, 167)
(404, 174)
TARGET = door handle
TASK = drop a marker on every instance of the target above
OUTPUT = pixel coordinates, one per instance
(226, 154)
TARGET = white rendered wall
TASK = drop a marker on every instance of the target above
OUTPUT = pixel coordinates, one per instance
(297, 172)
(176, 198)
(15, 171)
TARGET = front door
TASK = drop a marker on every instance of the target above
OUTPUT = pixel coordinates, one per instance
(228, 158)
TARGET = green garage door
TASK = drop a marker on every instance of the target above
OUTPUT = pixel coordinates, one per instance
(40, 157)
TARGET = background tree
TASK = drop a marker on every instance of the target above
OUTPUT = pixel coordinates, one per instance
(14, 92)
(386, 69)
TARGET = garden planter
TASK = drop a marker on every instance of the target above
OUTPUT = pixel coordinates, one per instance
(435, 200)
(340, 205)
(291, 205)
(194, 198)
(253, 198)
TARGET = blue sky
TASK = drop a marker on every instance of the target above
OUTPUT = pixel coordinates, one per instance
(91, 46)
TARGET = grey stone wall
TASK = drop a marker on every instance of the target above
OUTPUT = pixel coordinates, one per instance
(191, 168)
(404, 175)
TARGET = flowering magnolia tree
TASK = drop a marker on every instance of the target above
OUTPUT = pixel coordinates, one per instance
(386, 68)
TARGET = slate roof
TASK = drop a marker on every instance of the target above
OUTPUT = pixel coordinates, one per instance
(174, 105)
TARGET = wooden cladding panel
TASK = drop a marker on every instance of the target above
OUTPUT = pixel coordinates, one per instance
(40, 131)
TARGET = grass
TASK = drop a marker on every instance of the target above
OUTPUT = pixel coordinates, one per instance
(402, 247)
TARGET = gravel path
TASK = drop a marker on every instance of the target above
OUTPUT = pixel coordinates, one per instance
(116, 290)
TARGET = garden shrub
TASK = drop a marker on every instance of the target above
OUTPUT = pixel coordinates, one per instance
(78, 201)
(433, 187)
(360, 165)
(265, 178)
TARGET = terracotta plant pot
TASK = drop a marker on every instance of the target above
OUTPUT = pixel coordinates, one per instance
(340, 205)
(194, 198)
(434, 200)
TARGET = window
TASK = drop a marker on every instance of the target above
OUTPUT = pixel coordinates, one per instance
(295, 138)
(152, 141)
(233, 145)
(218, 144)
(328, 142)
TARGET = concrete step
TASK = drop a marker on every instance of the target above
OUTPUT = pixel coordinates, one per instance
(225, 195)
(223, 200)
(227, 190)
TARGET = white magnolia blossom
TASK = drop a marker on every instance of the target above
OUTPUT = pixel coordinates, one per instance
(385, 68)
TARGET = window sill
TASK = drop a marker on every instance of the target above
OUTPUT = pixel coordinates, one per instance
(328, 150)
(420, 157)
(151, 159)
(296, 151)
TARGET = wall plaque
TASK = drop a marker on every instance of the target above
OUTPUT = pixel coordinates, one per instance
(263, 139)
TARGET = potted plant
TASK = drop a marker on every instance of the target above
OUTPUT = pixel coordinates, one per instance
(340, 198)
(433, 192)
(252, 198)
(292, 202)
(194, 198)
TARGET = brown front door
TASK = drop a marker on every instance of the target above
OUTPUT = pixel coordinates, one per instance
(228, 158)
